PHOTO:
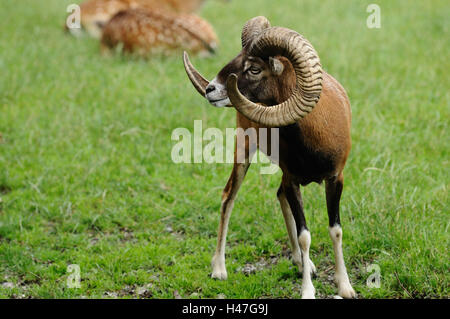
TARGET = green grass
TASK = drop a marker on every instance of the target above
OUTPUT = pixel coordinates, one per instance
(86, 175)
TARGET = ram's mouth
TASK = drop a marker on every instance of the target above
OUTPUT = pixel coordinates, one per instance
(220, 102)
(212, 101)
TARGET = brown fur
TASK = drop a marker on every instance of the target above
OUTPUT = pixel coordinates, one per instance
(317, 146)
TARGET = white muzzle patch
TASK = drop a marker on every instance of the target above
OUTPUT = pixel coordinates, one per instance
(216, 94)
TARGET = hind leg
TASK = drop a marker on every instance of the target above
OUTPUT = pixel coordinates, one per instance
(292, 231)
(292, 194)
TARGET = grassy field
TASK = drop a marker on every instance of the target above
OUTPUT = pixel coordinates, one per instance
(86, 175)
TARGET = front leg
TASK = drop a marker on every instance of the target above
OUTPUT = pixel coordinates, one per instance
(228, 197)
(244, 149)
(333, 191)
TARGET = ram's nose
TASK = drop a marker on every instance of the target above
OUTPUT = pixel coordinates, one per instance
(210, 88)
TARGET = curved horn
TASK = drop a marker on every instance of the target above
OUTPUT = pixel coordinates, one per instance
(253, 28)
(198, 81)
(308, 72)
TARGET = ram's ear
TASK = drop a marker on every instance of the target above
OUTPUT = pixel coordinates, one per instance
(276, 66)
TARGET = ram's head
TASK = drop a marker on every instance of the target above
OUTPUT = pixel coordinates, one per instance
(277, 67)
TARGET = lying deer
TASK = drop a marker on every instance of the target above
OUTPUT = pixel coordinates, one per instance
(145, 32)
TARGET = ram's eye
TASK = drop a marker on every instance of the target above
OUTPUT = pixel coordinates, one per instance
(254, 71)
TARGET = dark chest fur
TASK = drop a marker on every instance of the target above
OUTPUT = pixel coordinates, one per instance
(302, 159)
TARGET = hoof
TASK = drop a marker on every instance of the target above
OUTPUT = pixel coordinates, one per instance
(346, 291)
(308, 293)
(220, 275)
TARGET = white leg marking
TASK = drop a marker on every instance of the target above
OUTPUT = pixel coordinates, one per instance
(308, 290)
(345, 289)
(218, 266)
